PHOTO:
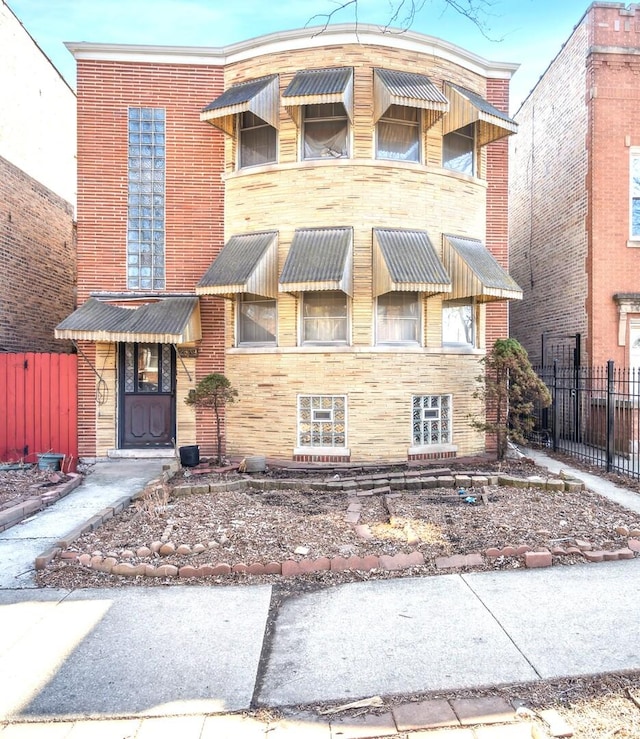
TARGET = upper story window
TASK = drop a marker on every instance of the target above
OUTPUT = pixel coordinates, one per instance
(458, 150)
(324, 317)
(398, 318)
(458, 325)
(325, 131)
(146, 199)
(398, 134)
(256, 320)
(258, 141)
(635, 194)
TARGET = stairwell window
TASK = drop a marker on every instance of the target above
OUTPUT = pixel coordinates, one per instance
(458, 150)
(257, 141)
(635, 195)
(398, 134)
(325, 131)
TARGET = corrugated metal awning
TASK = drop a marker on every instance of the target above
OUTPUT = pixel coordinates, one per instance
(406, 261)
(319, 259)
(316, 86)
(248, 263)
(391, 87)
(166, 321)
(476, 273)
(467, 107)
(259, 97)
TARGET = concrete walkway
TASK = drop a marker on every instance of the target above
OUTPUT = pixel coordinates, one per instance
(173, 661)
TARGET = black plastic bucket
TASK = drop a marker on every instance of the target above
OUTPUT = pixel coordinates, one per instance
(189, 455)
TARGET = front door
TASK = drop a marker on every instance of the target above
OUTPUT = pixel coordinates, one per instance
(147, 405)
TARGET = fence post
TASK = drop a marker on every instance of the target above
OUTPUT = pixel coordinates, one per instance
(610, 414)
(555, 407)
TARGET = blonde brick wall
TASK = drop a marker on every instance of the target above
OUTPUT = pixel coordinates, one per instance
(378, 387)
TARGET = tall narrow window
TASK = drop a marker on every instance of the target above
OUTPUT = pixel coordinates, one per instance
(326, 131)
(257, 141)
(324, 317)
(256, 320)
(398, 318)
(458, 150)
(635, 194)
(146, 199)
(398, 134)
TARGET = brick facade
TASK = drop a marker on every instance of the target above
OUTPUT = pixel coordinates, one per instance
(37, 251)
(209, 200)
(570, 239)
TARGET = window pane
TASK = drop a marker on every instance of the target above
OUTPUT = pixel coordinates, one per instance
(148, 368)
(635, 195)
(398, 141)
(458, 150)
(257, 142)
(256, 320)
(457, 324)
(325, 139)
(324, 316)
(398, 318)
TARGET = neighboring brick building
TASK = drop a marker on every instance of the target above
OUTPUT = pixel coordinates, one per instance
(335, 242)
(575, 196)
(37, 194)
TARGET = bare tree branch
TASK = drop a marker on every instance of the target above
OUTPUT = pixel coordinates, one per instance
(402, 13)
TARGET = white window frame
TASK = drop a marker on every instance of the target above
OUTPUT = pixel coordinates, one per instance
(460, 304)
(250, 299)
(401, 123)
(461, 133)
(331, 116)
(426, 418)
(417, 321)
(304, 299)
(634, 191)
(309, 408)
(259, 124)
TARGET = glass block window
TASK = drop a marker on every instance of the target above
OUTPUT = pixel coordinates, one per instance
(146, 199)
(431, 419)
(322, 420)
(635, 194)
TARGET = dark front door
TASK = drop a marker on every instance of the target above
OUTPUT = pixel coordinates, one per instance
(147, 395)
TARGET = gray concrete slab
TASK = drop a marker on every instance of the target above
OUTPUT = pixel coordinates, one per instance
(105, 483)
(580, 620)
(387, 637)
(130, 652)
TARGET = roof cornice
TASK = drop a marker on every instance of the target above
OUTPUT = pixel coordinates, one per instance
(296, 39)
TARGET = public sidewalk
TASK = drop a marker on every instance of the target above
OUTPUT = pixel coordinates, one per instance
(178, 661)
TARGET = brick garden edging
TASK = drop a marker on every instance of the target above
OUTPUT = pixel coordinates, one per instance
(388, 484)
(14, 514)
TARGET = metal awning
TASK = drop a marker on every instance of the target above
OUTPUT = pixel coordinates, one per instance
(259, 97)
(248, 263)
(476, 273)
(406, 261)
(316, 86)
(319, 259)
(467, 107)
(391, 87)
(166, 321)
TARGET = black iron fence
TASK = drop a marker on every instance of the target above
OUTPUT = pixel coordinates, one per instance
(594, 416)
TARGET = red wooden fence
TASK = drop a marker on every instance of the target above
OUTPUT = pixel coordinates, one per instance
(39, 407)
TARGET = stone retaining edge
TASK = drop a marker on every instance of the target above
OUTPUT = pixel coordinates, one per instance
(15, 514)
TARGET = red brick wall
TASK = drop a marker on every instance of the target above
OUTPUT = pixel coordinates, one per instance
(194, 195)
(37, 279)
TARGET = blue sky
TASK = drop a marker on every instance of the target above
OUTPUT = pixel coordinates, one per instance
(528, 32)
